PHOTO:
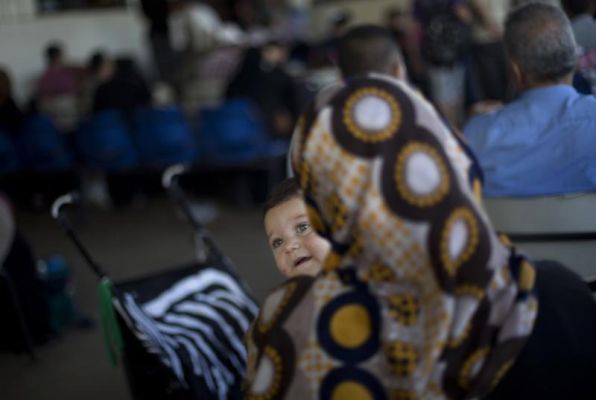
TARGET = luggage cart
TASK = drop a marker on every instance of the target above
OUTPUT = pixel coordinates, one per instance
(178, 333)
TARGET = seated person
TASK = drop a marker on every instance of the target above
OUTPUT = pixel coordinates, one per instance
(262, 78)
(99, 70)
(58, 88)
(11, 116)
(418, 298)
(125, 91)
(297, 248)
(543, 142)
(58, 79)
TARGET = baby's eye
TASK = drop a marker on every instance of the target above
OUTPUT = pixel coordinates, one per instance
(303, 227)
(276, 243)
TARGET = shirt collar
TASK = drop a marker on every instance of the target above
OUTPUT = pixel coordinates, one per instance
(545, 92)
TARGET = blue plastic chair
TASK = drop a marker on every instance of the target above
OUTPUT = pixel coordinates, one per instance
(233, 132)
(104, 142)
(9, 158)
(42, 147)
(163, 137)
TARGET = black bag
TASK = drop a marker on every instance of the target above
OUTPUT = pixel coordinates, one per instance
(21, 291)
(445, 39)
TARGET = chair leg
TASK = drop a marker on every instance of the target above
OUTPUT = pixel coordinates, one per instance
(20, 315)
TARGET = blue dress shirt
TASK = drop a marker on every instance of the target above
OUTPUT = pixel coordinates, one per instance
(543, 143)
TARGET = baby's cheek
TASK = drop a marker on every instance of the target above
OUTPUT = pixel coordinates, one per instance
(321, 246)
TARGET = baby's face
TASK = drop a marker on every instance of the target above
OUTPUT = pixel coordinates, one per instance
(297, 248)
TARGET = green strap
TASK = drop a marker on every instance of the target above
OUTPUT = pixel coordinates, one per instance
(109, 325)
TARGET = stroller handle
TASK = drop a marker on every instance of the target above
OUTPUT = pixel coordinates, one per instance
(171, 185)
(171, 173)
(68, 198)
(57, 205)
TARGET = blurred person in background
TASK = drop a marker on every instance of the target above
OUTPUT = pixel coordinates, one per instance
(11, 116)
(584, 30)
(262, 78)
(58, 89)
(157, 13)
(125, 91)
(445, 30)
(404, 29)
(488, 63)
(58, 78)
(209, 50)
(195, 26)
(100, 69)
(324, 54)
(543, 142)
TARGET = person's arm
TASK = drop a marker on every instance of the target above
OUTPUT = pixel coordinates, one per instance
(483, 16)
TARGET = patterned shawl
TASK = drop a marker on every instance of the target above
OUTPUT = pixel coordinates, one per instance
(419, 297)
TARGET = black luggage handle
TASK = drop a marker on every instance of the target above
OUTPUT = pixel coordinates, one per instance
(58, 215)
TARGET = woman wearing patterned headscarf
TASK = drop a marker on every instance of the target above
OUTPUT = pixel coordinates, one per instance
(419, 297)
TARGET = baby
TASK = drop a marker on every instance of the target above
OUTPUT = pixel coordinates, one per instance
(297, 248)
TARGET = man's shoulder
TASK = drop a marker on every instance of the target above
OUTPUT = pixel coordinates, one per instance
(587, 101)
(492, 119)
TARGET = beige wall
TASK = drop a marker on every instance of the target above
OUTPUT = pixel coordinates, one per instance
(23, 40)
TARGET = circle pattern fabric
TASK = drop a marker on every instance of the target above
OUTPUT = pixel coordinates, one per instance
(419, 298)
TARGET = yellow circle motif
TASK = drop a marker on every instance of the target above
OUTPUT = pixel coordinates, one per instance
(350, 326)
(351, 390)
(273, 389)
(372, 136)
(418, 200)
(527, 277)
(471, 368)
(453, 265)
(501, 373)
(265, 322)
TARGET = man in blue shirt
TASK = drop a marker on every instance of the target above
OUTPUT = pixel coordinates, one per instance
(544, 142)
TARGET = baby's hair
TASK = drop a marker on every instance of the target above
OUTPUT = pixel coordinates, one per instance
(282, 192)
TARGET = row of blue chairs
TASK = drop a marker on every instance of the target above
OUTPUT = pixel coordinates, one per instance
(156, 138)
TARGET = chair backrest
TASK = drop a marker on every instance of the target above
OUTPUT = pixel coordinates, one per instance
(233, 131)
(163, 137)
(104, 142)
(42, 147)
(561, 228)
(9, 159)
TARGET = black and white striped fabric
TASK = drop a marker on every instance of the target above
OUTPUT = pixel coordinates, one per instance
(194, 319)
